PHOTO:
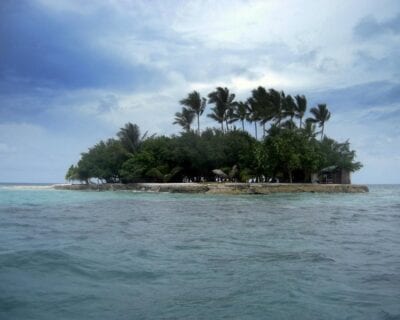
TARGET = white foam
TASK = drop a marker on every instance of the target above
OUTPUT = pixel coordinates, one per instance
(26, 187)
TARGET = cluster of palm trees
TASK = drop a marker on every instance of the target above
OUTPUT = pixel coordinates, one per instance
(263, 106)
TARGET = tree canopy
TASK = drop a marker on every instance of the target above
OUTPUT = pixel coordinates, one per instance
(286, 150)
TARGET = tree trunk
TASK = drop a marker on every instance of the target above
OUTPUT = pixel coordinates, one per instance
(242, 125)
(279, 116)
(290, 176)
(301, 121)
(255, 128)
(322, 132)
(198, 124)
(263, 130)
(222, 126)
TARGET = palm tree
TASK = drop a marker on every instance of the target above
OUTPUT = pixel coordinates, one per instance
(223, 101)
(195, 103)
(321, 115)
(288, 124)
(218, 114)
(253, 115)
(301, 108)
(130, 137)
(277, 102)
(289, 107)
(310, 129)
(184, 119)
(261, 104)
(239, 113)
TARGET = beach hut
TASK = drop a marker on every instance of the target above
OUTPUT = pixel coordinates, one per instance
(220, 175)
(335, 174)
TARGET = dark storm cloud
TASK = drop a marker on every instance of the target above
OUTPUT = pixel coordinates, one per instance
(38, 50)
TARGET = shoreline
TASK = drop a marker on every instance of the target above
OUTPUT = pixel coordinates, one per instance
(219, 188)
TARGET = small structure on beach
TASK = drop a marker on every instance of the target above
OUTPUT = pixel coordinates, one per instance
(335, 174)
(221, 176)
(219, 173)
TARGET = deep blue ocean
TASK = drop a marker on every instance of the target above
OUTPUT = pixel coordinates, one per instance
(125, 255)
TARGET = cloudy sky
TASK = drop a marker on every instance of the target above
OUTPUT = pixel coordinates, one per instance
(73, 72)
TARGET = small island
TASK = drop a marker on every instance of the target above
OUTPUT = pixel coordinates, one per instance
(291, 153)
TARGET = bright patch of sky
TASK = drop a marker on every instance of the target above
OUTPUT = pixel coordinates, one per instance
(73, 72)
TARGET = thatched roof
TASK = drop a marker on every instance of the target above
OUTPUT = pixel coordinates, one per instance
(329, 169)
(220, 173)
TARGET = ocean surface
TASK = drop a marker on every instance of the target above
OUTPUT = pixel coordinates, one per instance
(126, 255)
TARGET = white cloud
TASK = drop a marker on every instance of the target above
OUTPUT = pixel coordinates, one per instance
(269, 38)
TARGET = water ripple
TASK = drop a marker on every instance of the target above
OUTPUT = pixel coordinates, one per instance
(119, 255)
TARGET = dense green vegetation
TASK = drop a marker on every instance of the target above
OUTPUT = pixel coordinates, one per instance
(289, 148)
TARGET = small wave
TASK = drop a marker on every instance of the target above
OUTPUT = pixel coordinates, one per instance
(131, 275)
(30, 204)
(26, 187)
(28, 258)
(309, 233)
(385, 277)
(292, 256)
(388, 316)
(19, 210)
(44, 260)
(10, 303)
(317, 257)
(143, 253)
(371, 252)
(16, 224)
(188, 247)
(56, 261)
(395, 206)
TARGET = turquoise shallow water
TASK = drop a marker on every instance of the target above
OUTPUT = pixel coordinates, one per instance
(123, 255)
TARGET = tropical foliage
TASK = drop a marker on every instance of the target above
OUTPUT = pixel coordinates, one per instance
(195, 104)
(321, 115)
(288, 151)
(223, 102)
(184, 118)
